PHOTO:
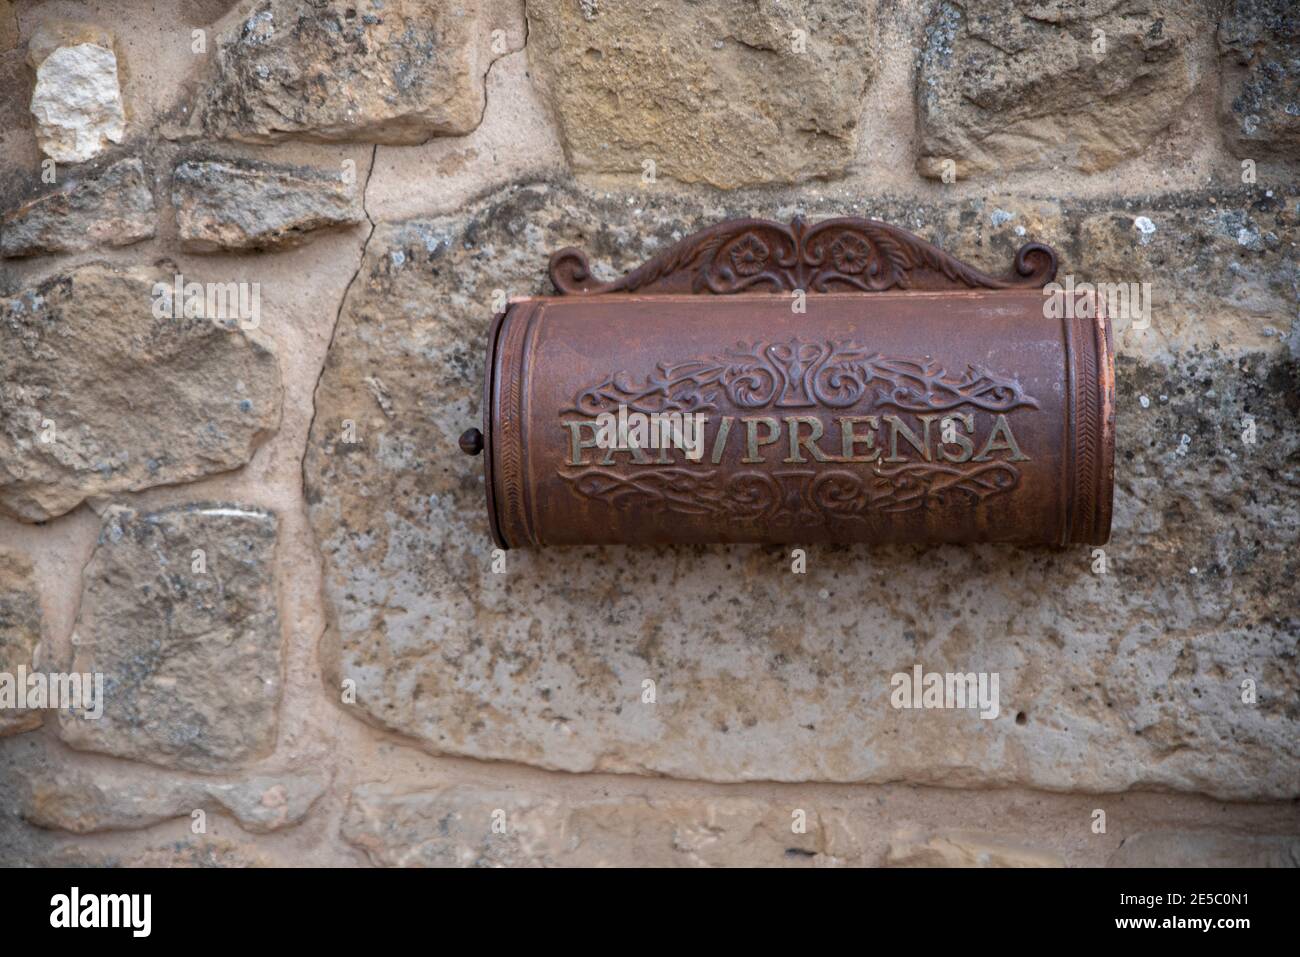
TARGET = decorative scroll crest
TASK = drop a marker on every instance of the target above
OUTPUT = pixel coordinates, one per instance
(797, 498)
(799, 374)
(836, 255)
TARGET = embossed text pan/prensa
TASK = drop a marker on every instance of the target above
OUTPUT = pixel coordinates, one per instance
(762, 382)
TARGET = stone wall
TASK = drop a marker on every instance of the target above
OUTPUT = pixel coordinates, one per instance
(258, 528)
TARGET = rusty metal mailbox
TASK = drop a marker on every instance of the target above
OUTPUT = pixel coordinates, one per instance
(760, 382)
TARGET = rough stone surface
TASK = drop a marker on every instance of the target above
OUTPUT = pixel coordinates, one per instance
(98, 395)
(1007, 86)
(965, 849)
(1207, 849)
(55, 32)
(713, 93)
(67, 793)
(1210, 263)
(1259, 42)
(186, 851)
(8, 28)
(476, 827)
(1107, 682)
(15, 114)
(110, 207)
(232, 204)
(178, 612)
(77, 100)
(1221, 264)
(20, 632)
(340, 70)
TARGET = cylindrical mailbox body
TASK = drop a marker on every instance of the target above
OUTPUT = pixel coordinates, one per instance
(885, 417)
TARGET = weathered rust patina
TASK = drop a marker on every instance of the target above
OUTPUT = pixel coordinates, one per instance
(850, 381)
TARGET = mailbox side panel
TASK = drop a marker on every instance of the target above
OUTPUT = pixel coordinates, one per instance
(504, 405)
(1091, 352)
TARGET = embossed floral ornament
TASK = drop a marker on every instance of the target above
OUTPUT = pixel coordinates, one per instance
(794, 373)
(851, 254)
(837, 255)
(750, 255)
(799, 498)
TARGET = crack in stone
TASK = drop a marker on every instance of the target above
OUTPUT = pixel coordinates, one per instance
(311, 424)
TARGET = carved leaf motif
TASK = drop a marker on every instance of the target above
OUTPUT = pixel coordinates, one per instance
(802, 498)
(795, 373)
(676, 489)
